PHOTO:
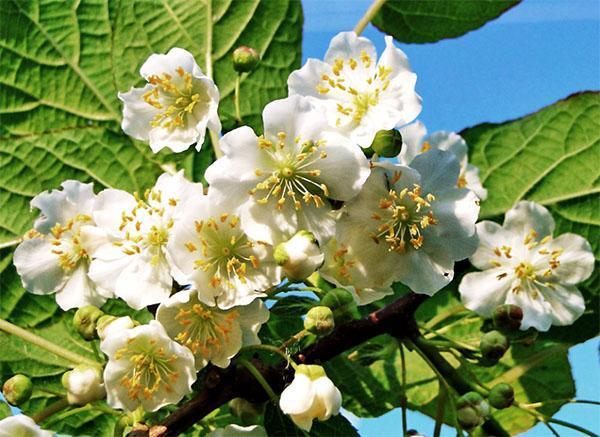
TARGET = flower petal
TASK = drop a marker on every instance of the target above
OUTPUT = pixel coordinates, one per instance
(439, 170)
(576, 261)
(137, 113)
(79, 290)
(425, 273)
(298, 396)
(158, 64)
(537, 312)
(304, 81)
(347, 45)
(38, 267)
(412, 141)
(566, 302)
(527, 216)
(482, 292)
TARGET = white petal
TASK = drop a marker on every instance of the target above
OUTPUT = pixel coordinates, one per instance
(491, 236)
(79, 290)
(439, 170)
(251, 319)
(296, 116)
(450, 142)
(412, 141)
(566, 302)
(178, 140)
(297, 397)
(577, 260)
(109, 205)
(268, 223)
(304, 81)
(21, 425)
(425, 273)
(137, 113)
(482, 292)
(158, 64)
(38, 267)
(537, 313)
(471, 174)
(345, 169)
(141, 284)
(330, 396)
(319, 221)
(347, 45)
(527, 216)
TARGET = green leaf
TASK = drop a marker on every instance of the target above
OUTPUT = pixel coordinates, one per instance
(416, 21)
(549, 157)
(285, 318)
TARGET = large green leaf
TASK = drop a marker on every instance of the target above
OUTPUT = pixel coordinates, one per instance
(550, 157)
(63, 64)
(417, 21)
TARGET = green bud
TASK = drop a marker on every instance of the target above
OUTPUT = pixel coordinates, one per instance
(85, 320)
(319, 320)
(493, 346)
(471, 410)
(508, 317)
(387, 143)
(17, 389)
(313, 371)
(245, 59)
(342, 304)
(501, 396)
(248, 412)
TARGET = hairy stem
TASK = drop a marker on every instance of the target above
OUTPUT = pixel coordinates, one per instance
(260, 378)
(236, 100)
(272, 349)
(32, 338)
(366, 19)
(51, 409)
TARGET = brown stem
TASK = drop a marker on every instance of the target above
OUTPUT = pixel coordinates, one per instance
(222, 385)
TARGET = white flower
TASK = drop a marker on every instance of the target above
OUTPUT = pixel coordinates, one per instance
(238, 431)
(212, 252)
(21, 426)
(129, 255)
(113, 325)
(212, 334)
(299, 256)
(311, 395)
(53, 259)
(145, 367)
(408, 225)
(415, 142)
(523, 265)
(176, 106)
(283, 179)
(83, 384)
(362, 96)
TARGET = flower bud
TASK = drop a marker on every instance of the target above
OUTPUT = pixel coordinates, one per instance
(387, 143)
(508, 317)
(343, 305)
(471, 410)
(85, 320)
(83, 384)
(493, 346)
(110, 324)
(17, 390)
(245, 59)
(300, 256)
(501, 396)
(319, 320)
(246, 411)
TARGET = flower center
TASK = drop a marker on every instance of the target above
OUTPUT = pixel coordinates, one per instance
(67, 241)
(539, 272)
(174, 97)
(225, 251)
(360, 95)
(151, 371)
(150, 209)
(204, 329)
(293, 175)
(403, 216)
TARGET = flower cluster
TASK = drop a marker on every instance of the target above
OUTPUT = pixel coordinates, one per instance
(304, 197)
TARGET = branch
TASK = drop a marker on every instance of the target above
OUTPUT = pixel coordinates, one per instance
(222, 385)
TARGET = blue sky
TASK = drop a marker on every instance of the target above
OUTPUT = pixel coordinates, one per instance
(537, 53)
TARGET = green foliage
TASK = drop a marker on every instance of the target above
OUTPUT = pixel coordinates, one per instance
(285, 318)
(416, 21)
(549, 157)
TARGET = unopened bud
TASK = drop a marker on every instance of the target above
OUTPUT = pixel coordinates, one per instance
(471, 410)
(108, 325)
(508, 317)
(493, 346)
(343, 305)
(299, 257)
(246, 411)
(319, 320)
(83, 385)
(387, 143)
(501, 396)
(85, 321)
(17, 390)
(245, 59)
